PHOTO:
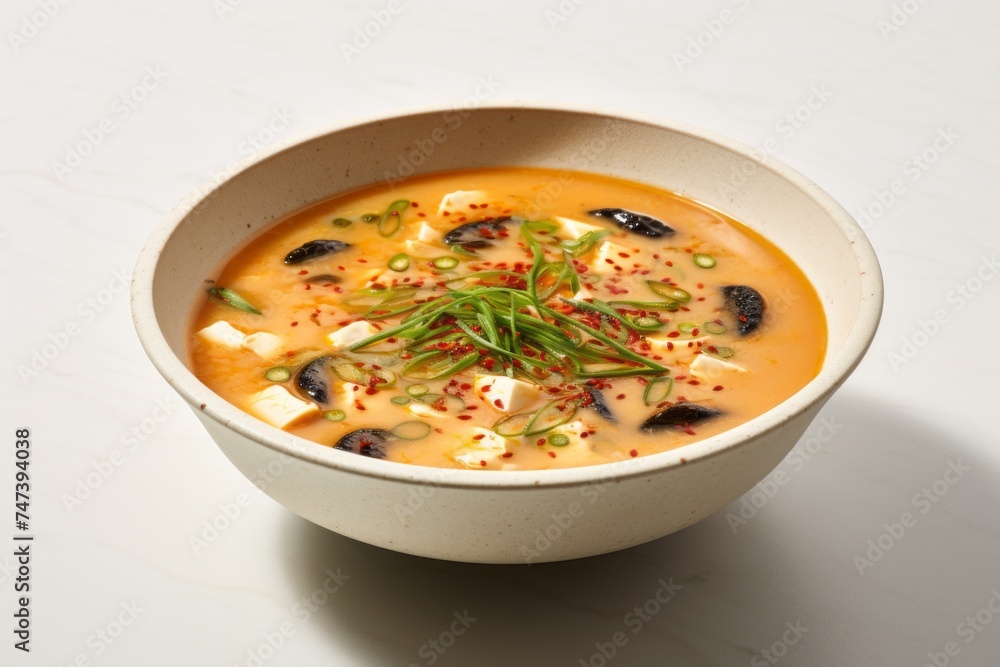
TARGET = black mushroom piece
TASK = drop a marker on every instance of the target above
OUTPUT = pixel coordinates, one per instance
(366, 442)
(636, 223)
(312, 380)
(594, 400)
(478, 234)
(679, 415)
(323, 278)
(315, 249)
(747, 306)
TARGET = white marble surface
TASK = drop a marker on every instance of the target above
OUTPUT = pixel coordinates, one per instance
(172, 93)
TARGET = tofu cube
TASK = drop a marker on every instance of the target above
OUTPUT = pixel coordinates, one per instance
(421, 249)
(460, 199)
(351, 334)
(279, 408)
(263, 344)
(620, 255)
(505, 394)
(224, 334)
(681, 353)
(574, 228)
(488, 449)
(427, 234)
(713, 369)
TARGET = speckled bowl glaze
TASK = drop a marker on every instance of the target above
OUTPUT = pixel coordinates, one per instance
(494, 516)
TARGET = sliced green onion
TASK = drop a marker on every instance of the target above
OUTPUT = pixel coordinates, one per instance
(399, 400)
(390, 221)
(512, 426)
(370, 217)
(715, 328)
(724, 352)
(233, 299)
(543, 226)
(703, 260)
(411, 430)
(341, 222)
(335, 415)
(663, 289)
(647, 322)
(648, 305)
(278, 374)
(400, 262)
(550, 416)
(445, 262)
(558, 439)
(686, 327)
(417, 390)
(365, 376)
(657, 390)
(350, 373)
(585, 243)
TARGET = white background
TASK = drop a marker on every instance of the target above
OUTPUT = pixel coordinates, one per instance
(849, 92)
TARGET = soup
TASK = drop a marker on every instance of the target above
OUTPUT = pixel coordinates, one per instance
(505, 319)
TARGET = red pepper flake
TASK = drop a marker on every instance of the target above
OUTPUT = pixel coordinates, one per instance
(472, 407)
(694, 382)
(359, 405)
(473, 206)
(507, 455)
(438, 430)
(445, 212)
(371, 391)
(673, 334)
(552, 454)
(633, 453)
(486, 388)
(620, 396)
(717, 387)
(295, 324)
(609, 261)
(414, 204)
(624, 255)
(479, 436)
(498, 403)
(482, 463)
(584, 434)
(690, 431)
(338, 289)
(670, 345)
(540, 442)
(303, 272)
(465, 417)
(422, 214)
(308, 286)
(362, 260)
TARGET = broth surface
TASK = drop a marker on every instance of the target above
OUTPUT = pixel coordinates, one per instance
(703, 359)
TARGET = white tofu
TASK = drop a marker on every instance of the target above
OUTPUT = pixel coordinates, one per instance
(263, 344)
(578, 447)
(614, 252)
(574, 228)
(682, 352)
(351, 334)
(420, 409)
(224, 334)
(512, 394)
(421, 249)
(427, 234)
(460, 199)
(490, 448)
(279, 408)
(710, 368)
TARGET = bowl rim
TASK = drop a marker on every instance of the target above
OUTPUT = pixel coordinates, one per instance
(833, 373)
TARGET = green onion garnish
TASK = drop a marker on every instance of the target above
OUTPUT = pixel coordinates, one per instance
(411, 430)
(686, 327)
(341, 222)
(715, 328)
(445, 262)
(278, 374)
(417, 390)
(552, 414)
(724, 352)
(558, 439)
(703, 260)
(399, 400)
(663, 289)
(233, 299)
(657, 390)
(390, 221)
(370, 217)
(335, 415)
(400, 262)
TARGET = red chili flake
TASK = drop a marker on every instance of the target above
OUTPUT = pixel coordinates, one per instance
(717, 387)
(695, 331)
(359, 405)
(694, 382)
(584, 434)
(743, 318)
(498, 403)
(479, 436)
(633, 453)
(620, 396)
(466, 386)
(688, 250)
(656, 255)
(362, 260)
(670, 345)
(308, 286)
(338, 289)
(624, 255)
(673, 334)
(482, 463)
(540, 442)
(552, 454)
(472, 407)
(414, 204)
(438, 430)
(486, 388)
(507, 455)
(609, 261)
(465, 417)
(473, 206)
(303, 272)
(669, 263)
(690, 431)
(446, 213)
(295, 324)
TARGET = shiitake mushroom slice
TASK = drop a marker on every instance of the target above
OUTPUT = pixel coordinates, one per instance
(747, 306)
(369, 442)
(637, 223)
(679, 415)
(315, 249)
(595, 401)
(312, 380)
(479, 234)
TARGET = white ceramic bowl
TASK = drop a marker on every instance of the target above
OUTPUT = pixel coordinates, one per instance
(494, 516)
